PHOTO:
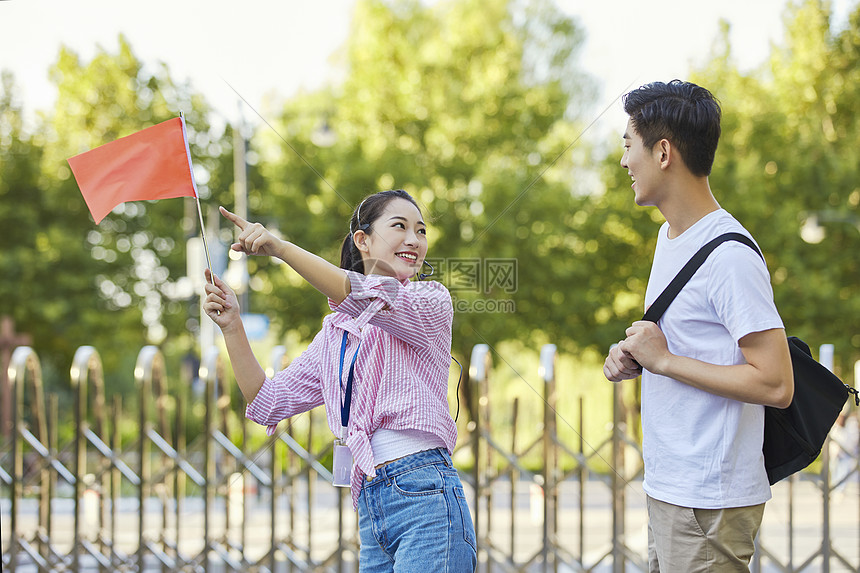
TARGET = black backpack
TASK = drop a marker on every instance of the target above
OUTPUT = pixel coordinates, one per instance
(793, 436)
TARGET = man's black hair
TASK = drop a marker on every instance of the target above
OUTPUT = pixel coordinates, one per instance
(685, 114)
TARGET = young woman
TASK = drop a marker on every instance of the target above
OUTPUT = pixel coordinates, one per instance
(380, 365)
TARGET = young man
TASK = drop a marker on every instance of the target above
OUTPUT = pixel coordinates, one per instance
(718, 354)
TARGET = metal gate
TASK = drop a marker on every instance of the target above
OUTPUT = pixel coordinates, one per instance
(229, 499)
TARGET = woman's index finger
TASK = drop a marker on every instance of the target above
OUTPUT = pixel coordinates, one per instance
(236, 219)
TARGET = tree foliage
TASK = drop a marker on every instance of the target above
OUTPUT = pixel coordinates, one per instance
(114, 285)
(789, 156)
(472, 108)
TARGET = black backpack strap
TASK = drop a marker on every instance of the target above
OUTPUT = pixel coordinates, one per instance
(659, 306)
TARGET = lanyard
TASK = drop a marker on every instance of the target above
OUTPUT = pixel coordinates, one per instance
(347, 401)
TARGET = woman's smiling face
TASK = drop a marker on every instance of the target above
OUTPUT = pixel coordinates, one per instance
(397, 244)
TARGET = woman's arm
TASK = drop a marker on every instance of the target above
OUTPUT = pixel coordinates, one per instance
(255, 239)
(293, 390)
(222, 307)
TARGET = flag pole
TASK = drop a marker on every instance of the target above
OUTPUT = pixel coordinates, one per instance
(205, 246)
(197, 200)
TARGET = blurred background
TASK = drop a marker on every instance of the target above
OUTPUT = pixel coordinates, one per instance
(502, 117)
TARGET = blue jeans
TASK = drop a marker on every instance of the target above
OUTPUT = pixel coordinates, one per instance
(413, 518)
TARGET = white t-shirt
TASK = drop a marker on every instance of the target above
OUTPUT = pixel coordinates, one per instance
(702, 450)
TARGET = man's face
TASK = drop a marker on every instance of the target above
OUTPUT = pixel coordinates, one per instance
(643, 166)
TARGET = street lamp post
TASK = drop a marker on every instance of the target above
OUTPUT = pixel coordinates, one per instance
(238, 267)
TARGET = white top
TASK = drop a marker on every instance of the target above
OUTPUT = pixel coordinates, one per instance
(388, 445)
(702, 450)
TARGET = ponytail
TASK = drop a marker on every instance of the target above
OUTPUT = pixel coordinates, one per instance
(350, 256)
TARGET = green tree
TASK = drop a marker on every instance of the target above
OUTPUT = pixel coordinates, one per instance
(788, 155)
(473, 108)
(19, 202)
(114, 285)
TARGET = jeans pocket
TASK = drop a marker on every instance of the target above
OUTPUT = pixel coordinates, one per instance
(466, 516)
(425, 480)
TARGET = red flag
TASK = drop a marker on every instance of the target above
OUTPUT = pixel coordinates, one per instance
(154, 163)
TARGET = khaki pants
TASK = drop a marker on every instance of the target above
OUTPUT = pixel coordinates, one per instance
(685, 540)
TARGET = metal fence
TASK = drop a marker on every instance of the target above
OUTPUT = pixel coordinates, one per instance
(229, 499)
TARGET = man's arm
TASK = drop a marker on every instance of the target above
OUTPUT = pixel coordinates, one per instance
(619, 365)
(766, 378)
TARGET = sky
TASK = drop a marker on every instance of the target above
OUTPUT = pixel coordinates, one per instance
(269, 49)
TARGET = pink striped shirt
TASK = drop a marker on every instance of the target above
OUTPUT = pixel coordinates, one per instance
(401, 373)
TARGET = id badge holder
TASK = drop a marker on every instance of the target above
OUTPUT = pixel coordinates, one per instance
(342, 463)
